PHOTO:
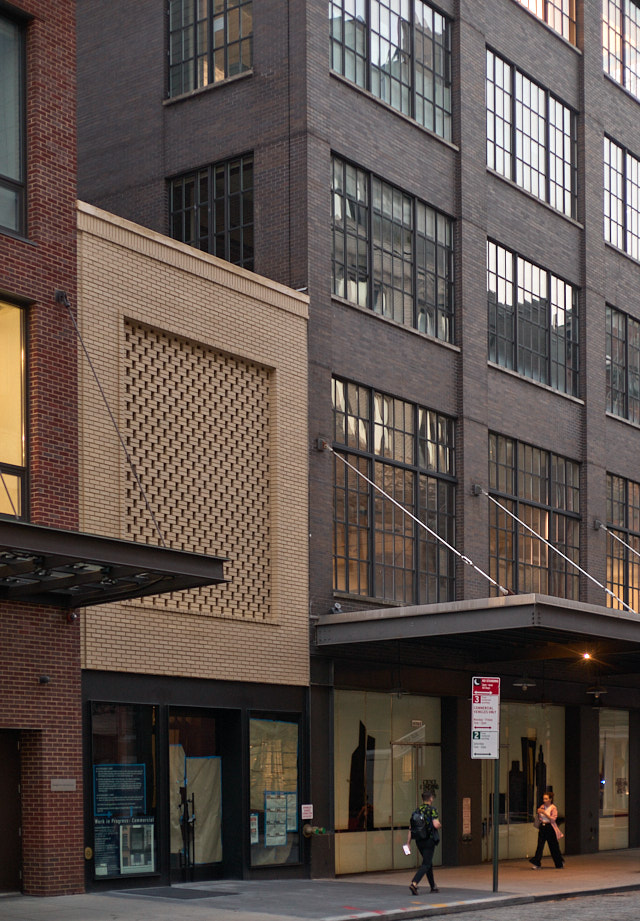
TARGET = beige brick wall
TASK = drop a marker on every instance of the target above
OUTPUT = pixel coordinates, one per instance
(204, 368)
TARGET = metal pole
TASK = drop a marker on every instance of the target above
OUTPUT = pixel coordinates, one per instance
(496, 816)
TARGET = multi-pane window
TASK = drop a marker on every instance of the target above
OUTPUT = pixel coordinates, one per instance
(623, 520)
(542, 490)
(399, 50)
(533, 320)
(209, 40)
(12, 126)
(621, 43)
(391, 252)
(212, 209)
(12, 411)
(559, 14)
(408, 452)
(531, 136)
(621, 198)
(623, 365)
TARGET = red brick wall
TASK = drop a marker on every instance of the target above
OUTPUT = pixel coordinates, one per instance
(37, 640)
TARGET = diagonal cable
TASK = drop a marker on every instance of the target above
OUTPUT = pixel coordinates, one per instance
(61, 298)
(9, 497)
(603, 527)
(484, 492)
(464, 559)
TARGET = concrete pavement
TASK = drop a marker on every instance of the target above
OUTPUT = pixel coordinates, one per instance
(613, 876)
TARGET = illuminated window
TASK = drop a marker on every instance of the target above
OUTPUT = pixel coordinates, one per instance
(399, 50)
(408, 452)
(623, 562)
(12, 127)
(621, 43)
(209, 40)
(12, 416)
(531, 136)
(533, 320)
(559, 14)
(542, 490)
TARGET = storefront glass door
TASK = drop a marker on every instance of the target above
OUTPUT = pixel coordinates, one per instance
(614, 779)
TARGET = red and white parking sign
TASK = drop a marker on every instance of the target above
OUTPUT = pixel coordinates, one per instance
(485, 717)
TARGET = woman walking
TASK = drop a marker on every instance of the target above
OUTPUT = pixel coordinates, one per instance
(548, 832)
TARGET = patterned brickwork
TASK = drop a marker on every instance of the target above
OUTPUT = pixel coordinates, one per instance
(197, 422)
(204, 367)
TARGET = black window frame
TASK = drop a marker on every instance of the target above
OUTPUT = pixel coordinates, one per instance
(20, 472)
(365, 70)
(619, 231)
(569, 369)
(508, 485)
(234, 208)
(432, 314)
(616, 67)
(552, 12)
(623, 399)
(369, 523)
(193, 58)
(17, 185)
(554, 191)
(619, 557)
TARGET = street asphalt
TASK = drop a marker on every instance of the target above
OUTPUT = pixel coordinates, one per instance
(596, 887)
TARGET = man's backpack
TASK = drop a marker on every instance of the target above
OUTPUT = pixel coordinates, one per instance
(418, 824)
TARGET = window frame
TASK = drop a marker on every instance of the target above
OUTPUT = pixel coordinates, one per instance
(502, 123)
(627, 397)
(440, 105)
(616, 30)
(198, 61)
(619, 556)
(435, 317)
(17, 471)
(376, 531)
(549, 12)
(621, 188)
(17, 185)
(570, 368)
(204, 211)
(513, 571)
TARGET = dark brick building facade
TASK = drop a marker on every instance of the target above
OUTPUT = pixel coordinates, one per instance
(515, 166)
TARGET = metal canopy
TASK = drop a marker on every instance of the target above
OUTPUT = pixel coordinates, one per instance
(67, 569)
(496, 631)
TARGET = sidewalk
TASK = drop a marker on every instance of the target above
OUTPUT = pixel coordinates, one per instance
(370, 896)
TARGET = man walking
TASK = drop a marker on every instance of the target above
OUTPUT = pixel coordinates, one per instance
(424, 831)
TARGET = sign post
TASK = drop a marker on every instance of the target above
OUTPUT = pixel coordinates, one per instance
(485, 743)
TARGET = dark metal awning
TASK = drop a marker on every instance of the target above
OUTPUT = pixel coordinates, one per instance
(517, 631)
(67, 569)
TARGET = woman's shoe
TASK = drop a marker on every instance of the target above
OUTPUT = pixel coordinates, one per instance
(413, 888)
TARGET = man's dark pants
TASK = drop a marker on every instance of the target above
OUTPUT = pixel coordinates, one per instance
(426, 847)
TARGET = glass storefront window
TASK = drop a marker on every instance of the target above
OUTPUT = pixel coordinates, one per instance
(387, 750)
(195, 789)
(531, 761)
(273, 779)
(123, 740)
(614, 779)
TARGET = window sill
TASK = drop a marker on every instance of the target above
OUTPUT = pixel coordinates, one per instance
(207, 89)
(529, 380)
(385, 105)
(394, 323)
(629, 422)
(621, 252)
(620, 87)
(539, 201)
